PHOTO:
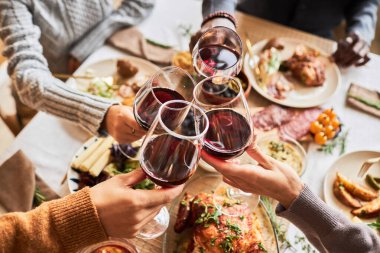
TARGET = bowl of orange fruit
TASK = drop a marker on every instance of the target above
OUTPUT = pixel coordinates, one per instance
(326, 127)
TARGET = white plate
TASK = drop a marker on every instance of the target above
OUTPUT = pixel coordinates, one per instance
(348, 165)
(108, 67)
(301, 96)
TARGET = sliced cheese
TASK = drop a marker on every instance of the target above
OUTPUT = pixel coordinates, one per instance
(91, 160)
(85, 154)
(100, 164)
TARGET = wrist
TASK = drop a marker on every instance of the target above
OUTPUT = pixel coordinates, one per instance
(289, 196)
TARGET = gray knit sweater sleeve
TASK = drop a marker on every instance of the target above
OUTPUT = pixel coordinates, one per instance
(130, 12)
(327, 229)
(33, 81)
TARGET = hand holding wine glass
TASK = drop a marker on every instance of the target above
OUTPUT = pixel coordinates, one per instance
(171, 151)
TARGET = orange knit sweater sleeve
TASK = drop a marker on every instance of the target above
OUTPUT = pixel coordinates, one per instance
(63, 225)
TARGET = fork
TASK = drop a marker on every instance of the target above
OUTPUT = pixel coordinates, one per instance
(367, 164)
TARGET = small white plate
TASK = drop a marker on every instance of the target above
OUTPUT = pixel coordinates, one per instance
(301, 96)
(348, 165)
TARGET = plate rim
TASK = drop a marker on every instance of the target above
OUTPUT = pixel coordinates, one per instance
(282, 102)
(327, 188)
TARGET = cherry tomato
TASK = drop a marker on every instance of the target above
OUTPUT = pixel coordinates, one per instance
(320, 138)
(330, 132)
(331, 113)
(324, 119)
(316, 127)
(335, 123)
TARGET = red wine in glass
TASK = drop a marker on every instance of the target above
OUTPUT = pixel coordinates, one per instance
(219, 57)
(228, 135)
(169, 161)
(147, 105)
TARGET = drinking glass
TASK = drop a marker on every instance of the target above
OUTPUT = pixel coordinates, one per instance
(230, 129)
(167, 84)
(218, 52)
(171, 151)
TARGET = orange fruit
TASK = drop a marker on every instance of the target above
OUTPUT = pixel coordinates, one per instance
(316, 127)
(324, 119)
(320, 138)
(330, 132)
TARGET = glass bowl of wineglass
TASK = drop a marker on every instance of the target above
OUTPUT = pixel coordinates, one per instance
(169, 83)
(218, 52)
(230, 130)
(171, 151)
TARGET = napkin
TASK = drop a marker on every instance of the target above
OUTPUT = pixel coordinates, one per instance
(364, 99)
(19, 184)
(132, 41)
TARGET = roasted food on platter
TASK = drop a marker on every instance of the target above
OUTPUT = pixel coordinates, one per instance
(126, 69)
(369, 210)
(215, 232)
(306, 67)
(274, 43)
(355, 189)
(101, 160)
(344, 196)
(122, 85)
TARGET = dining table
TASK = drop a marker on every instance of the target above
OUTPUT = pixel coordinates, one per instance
(51, 142)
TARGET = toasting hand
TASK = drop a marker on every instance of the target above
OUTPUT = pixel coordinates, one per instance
(352, 51)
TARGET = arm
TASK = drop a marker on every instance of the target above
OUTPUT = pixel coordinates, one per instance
(130, 13)
(326, 228)
(64, 225)
(211, 6)
(361, 18)
(33, 81)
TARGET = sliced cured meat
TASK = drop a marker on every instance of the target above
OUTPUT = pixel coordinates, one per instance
(299, 125)
(271, 117)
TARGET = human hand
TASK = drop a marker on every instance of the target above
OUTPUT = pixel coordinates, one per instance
(120, 123)
(209, 24)
(352, 51)
(270, 178)
(73, 64)
(122, 210)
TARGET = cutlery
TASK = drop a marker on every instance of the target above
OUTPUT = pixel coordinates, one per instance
(366, 165)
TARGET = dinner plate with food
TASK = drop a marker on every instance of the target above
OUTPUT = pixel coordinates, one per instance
(357, 197)
(197, 226)
(292, 73)
(100, 159)
(118, 79)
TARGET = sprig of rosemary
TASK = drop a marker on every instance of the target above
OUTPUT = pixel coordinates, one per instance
(339, 141)
(158, 44)
(281, 232)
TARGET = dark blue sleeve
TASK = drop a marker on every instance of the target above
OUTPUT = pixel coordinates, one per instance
(211, 6)
(361, 17)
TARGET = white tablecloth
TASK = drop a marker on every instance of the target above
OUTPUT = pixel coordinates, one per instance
(51, 142)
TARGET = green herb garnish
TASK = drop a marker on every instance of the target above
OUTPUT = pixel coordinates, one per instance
(261, 247)
(38, 198)
(339, 141)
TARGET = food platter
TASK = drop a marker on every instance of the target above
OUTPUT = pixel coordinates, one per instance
(349, 165)
(106, 71)
(301, 96)
(206, 182)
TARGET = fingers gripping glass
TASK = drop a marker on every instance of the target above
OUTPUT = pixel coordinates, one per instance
(171, 151)
(230, 132)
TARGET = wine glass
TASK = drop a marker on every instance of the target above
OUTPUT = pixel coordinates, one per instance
(230, 130)
(168, 83)
(171, 151)
(218, 52)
